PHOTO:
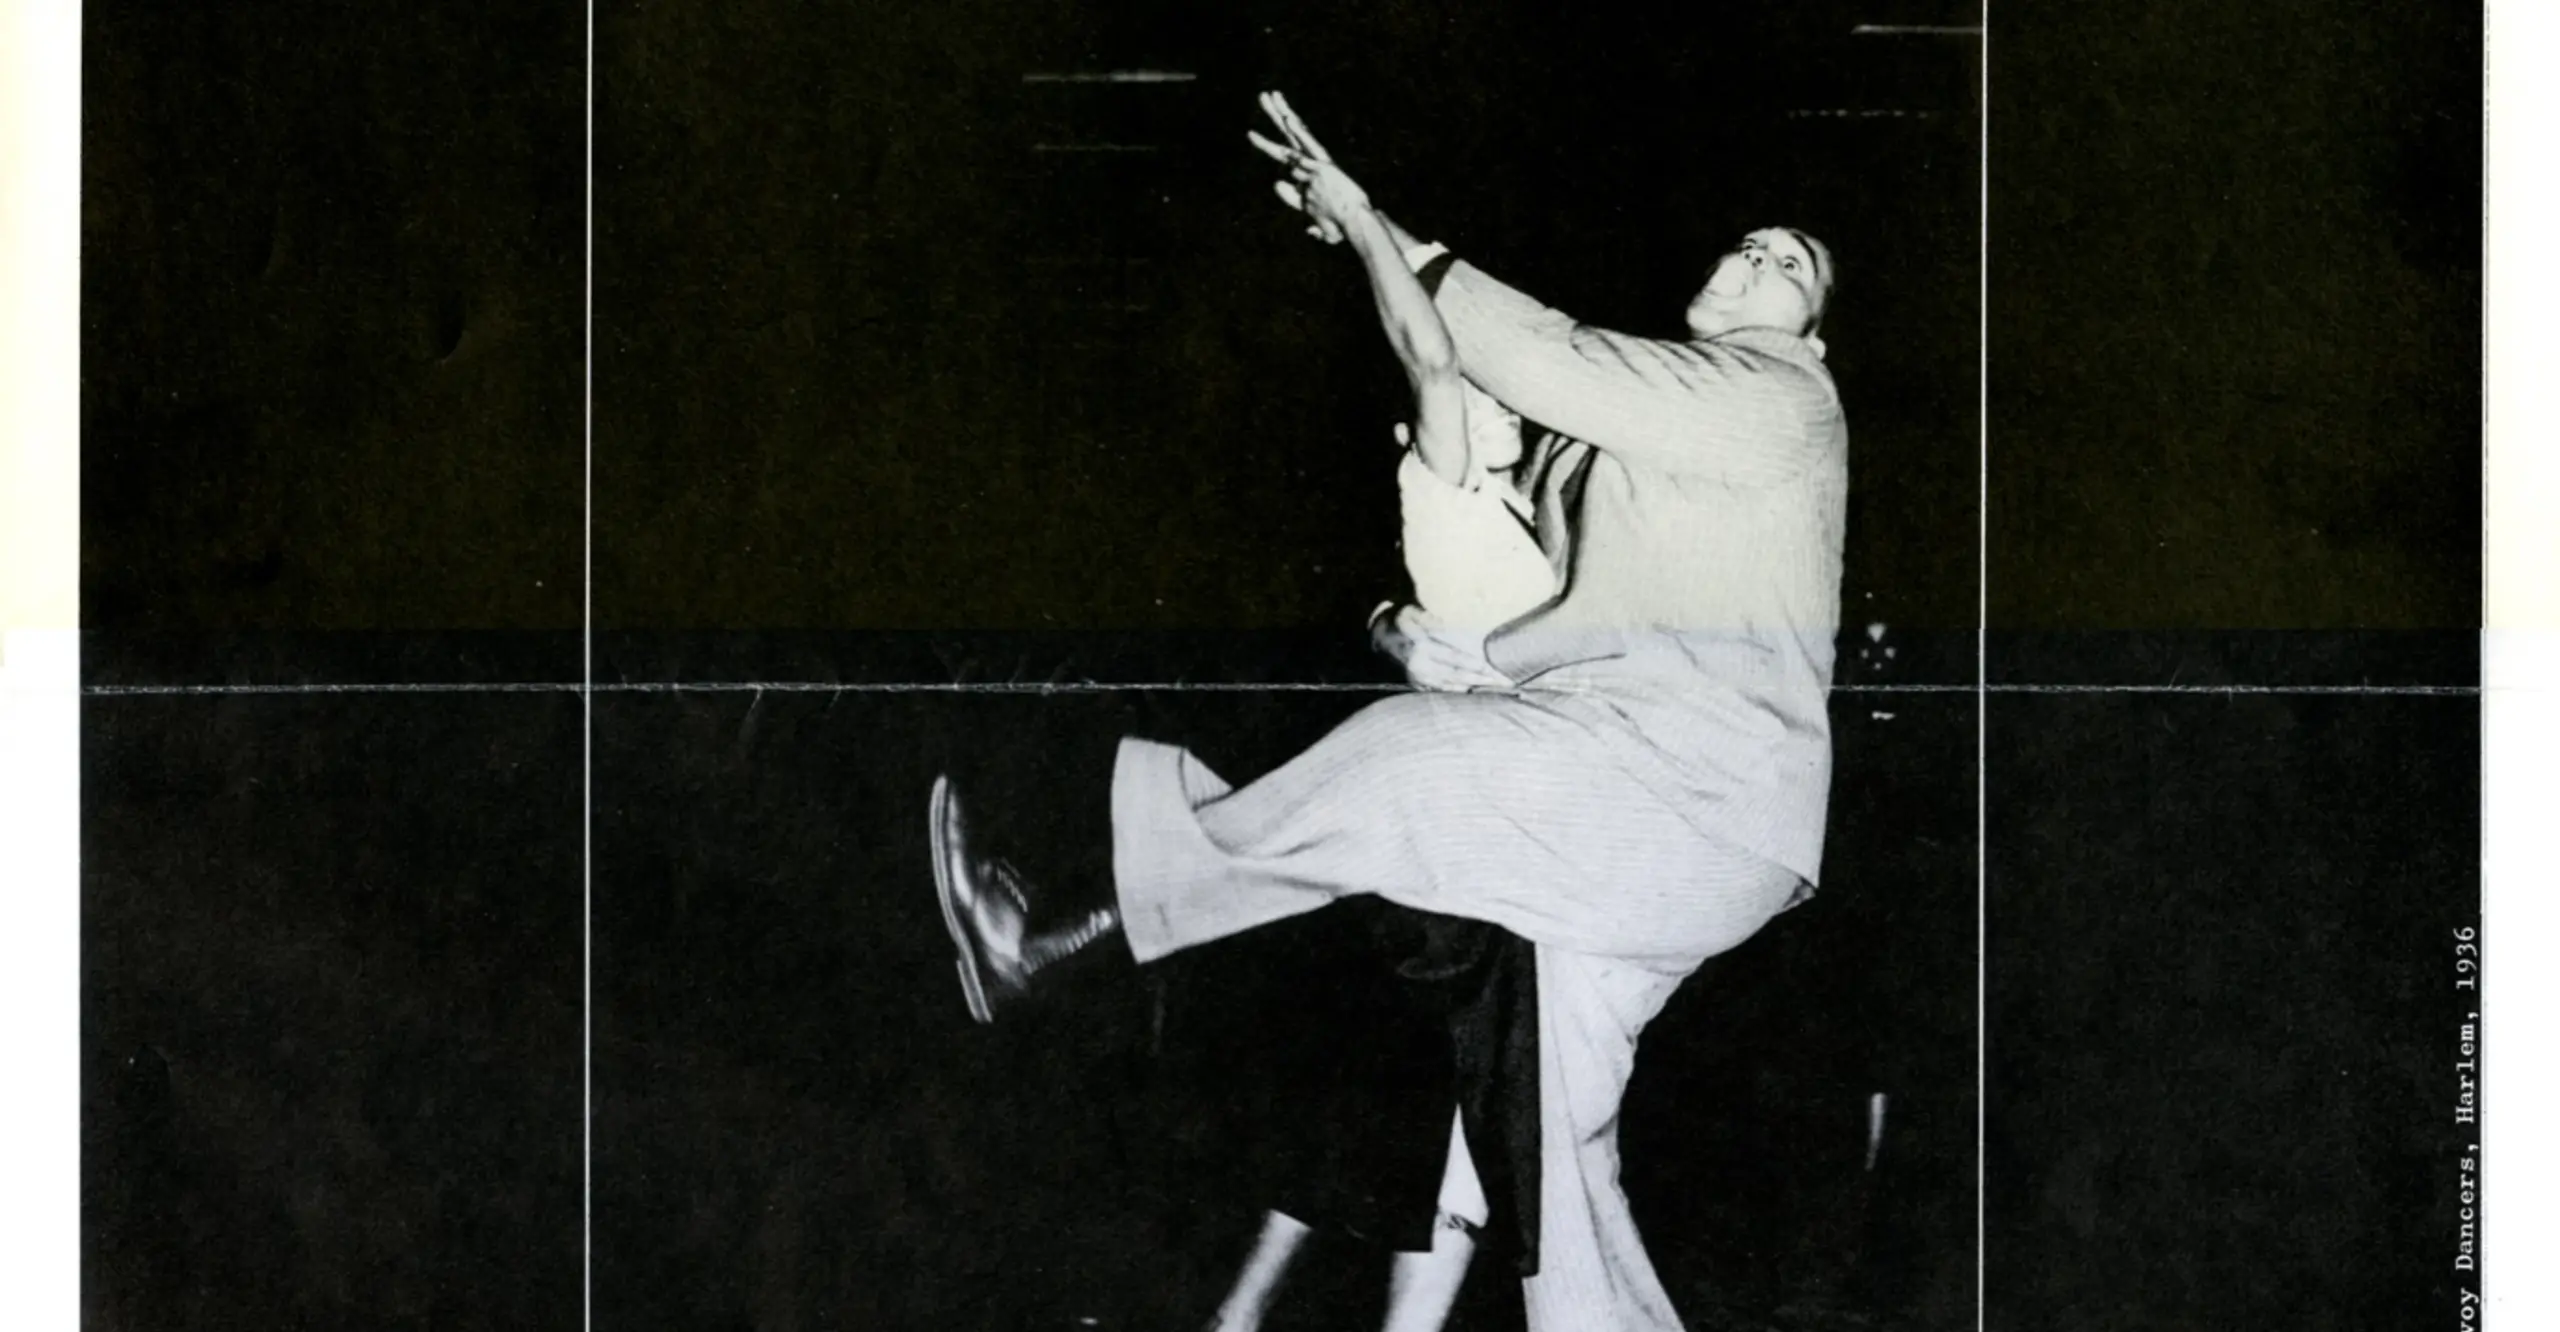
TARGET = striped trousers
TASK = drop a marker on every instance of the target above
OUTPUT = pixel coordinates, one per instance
(1490, 807)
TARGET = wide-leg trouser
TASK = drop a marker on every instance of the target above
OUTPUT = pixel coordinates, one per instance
(1490, 807)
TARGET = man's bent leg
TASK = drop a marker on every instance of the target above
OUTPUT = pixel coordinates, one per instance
(1481, 806)
(1485, 806)
(1178, 888)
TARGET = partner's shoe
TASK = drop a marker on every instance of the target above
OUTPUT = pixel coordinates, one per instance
(989, 907)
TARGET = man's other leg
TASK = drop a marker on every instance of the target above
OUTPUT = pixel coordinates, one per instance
(1593, 1272)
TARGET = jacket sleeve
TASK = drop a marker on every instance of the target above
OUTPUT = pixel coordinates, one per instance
(1732, 413)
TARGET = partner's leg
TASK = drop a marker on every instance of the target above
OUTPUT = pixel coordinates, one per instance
(1461, 1191)
(1248, 1302)
(1484, 806)
(1422, 1287)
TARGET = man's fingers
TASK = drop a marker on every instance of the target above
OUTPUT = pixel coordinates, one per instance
(1449, 656)
(1383, 634)
(1446, 671)
(1277, 152)
(1446, 659)
(1431, 659)
(1290, 195)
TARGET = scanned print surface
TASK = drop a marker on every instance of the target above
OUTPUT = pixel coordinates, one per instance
(1109, 664)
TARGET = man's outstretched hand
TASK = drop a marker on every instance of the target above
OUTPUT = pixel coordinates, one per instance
(1328, 196)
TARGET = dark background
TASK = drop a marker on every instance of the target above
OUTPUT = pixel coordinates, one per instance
(797, 1123)
(909, 370)
(897, 331)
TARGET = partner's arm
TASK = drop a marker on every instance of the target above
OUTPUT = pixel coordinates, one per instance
(1421, 344)
(1340, 209)
(1402, 239)
(1303, 148)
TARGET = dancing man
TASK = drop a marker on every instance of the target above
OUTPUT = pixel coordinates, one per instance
(1634, 776)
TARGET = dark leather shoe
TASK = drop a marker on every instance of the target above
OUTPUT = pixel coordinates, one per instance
(991, 910)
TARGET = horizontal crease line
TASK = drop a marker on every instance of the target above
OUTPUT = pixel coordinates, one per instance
(2420, 690)
(754, 687)
(1167, 686)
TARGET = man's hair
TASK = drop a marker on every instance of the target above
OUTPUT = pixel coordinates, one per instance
(1826, 277)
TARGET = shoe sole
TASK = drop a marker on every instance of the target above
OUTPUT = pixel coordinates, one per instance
(973, 986)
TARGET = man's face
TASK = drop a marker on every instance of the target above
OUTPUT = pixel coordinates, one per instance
(1777, 277)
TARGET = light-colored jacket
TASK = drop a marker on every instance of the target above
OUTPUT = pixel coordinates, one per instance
(1696, 513)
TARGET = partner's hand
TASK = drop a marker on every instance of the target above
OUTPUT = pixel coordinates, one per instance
(1432, 658)
(1323, 191)
(1330, 198)
(1283, 115)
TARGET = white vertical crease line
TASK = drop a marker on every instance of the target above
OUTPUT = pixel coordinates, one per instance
(587, 711)
(1982, 691)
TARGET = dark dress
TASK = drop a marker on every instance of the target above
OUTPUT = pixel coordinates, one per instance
(1331, 1048)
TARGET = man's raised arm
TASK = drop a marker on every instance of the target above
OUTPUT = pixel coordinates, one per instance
(1708, 408)
(1711, 408)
